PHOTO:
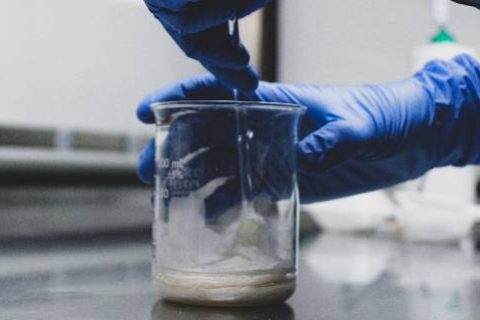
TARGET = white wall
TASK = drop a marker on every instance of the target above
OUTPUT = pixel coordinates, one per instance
(352, 42)
(86, 64)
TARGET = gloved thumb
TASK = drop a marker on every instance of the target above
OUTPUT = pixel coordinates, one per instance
(331, 145)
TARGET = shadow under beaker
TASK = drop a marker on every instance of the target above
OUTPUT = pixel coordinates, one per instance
(163, 310)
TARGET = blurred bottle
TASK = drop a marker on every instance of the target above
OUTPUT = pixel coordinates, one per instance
(440, 206)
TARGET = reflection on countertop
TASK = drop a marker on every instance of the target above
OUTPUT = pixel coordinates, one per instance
(165, 310)
(341, 277)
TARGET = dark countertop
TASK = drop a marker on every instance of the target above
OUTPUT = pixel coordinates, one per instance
(341, 277)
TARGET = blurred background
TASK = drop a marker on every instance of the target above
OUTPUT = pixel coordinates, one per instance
(71, 75)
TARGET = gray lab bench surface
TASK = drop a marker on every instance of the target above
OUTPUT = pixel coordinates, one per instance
(341, 277)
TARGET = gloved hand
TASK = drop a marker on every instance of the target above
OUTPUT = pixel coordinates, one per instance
(473, 3)
(200, 28)
(363, 138)
(200, 155)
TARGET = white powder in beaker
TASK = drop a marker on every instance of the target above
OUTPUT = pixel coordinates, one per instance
(237, 267)
(255, 288)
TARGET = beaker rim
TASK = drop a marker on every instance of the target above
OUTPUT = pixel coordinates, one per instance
(228, 104)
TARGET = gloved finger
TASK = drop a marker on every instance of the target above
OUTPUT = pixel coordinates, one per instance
(341, 181)
(202, 15)
(195, 135)
(222, 199)
(284, 93)
(214, 47)
(220, 54)
(273, 186)
(173, 5)
(215, 163)
(244, 80)
(200, 168)
(229, 195)
(205, 87)
(199, 147)
(146, 164)
(353, 177)
(271, 161)
(330, 146)
(473, 3)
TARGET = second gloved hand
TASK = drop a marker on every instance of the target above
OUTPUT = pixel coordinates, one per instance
(200, 28)
(363, 138)
(472, 3)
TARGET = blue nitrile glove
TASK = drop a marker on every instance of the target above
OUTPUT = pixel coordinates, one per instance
(363, 138)
(202, 150)
(473, 3)
(200, 28)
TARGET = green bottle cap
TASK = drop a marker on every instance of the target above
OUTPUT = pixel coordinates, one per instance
(443, 36)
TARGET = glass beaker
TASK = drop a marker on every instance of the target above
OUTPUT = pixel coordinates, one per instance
(226, 202)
